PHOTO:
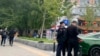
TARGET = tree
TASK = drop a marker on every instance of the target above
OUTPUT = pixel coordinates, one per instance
(6, 11)
(66, 8)
(89, 16)
(30, 14)
(49, 11)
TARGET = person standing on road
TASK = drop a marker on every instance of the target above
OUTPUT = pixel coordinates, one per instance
(3, 36)
(12, 33)
(72, 32)
(61, 39)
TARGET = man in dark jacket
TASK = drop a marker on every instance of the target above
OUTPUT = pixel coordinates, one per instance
(4, 36)
(12, 33)
(72, 32)
(61, 39)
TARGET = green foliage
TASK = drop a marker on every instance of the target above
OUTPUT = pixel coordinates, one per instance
(89, 16)
(30, 14)
(38, 39)
(66, 8)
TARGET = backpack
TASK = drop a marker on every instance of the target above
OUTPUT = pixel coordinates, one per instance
(4, 33)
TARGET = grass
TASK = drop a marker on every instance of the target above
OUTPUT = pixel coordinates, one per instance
(38, 39)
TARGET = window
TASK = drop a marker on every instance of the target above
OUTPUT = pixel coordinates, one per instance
(98, 12)
(97, 2)
(80, 10)
(84, 2)
(97, 36)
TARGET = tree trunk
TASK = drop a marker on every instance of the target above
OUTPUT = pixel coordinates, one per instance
(43, 24)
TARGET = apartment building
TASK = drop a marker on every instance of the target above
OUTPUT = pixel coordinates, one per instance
(80, 9)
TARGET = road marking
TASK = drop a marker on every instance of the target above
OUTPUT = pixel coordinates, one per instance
(33, 50)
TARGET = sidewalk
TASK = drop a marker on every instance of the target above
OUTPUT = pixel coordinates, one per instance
(23, 50)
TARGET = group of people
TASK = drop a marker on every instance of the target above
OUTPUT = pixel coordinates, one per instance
(67, 39)
(7, 35)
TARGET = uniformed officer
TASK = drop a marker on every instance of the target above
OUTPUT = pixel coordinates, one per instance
(72, 32)
(61, 40)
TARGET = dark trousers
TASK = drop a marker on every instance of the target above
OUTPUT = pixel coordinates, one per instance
(60, 48)
(11, 40)
(73, 45)
(3, 41)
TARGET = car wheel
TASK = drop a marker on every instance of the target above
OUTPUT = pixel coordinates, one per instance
(95, 51)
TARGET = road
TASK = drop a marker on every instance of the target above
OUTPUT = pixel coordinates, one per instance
(19, 49)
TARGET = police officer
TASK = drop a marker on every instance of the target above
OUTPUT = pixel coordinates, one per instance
(72, 32)
(61, 40)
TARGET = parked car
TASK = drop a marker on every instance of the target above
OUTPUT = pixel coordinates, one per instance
(90, 44)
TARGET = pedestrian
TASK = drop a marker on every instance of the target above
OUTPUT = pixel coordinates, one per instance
(0, 32)
(61, 39)
(3, 37)
(12, 33)
(72, 32)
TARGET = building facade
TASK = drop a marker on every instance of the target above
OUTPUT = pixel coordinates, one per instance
(80, 7)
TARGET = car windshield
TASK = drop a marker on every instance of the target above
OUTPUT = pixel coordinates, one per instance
(96, 35)
(85, 35)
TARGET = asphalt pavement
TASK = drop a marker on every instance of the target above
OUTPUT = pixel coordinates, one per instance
(19, 49)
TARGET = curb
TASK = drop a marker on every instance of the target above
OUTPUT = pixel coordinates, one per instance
(43, 46)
